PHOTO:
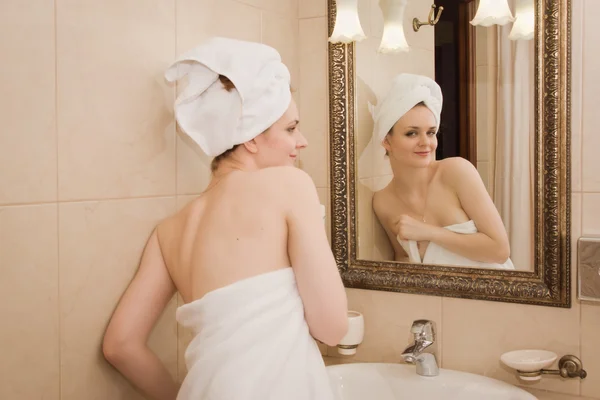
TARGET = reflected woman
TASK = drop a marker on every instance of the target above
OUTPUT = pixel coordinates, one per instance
(434, 212)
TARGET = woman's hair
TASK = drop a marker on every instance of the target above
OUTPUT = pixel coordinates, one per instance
(229, 86)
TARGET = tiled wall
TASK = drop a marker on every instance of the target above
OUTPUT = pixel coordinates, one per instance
(473, 334)
(89, 163)
(486, 74)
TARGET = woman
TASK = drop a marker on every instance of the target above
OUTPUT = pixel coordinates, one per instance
(249, 256)
(434, 212)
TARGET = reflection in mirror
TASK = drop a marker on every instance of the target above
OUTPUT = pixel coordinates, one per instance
(445, 140)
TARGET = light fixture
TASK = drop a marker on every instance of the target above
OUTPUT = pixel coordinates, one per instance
(492, 12)
(393, 39)
(347, 28)
(524, 26)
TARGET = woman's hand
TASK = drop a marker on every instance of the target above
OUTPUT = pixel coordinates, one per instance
(409, 228)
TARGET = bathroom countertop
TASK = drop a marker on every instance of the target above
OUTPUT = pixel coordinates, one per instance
(540, 394)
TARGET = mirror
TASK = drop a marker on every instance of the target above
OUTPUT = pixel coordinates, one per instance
(450, 165)
(418, 180)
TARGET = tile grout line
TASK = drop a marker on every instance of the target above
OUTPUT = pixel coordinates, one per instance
(107, 199)
(581, 29)
(312, 17)
(579, 116)
(441, 337)
(580, 112)
(58, 302)
(577, 287)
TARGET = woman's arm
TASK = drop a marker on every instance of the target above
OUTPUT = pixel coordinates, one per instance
(490, 244)
(384, 220)
(319, 282)
(125, 341)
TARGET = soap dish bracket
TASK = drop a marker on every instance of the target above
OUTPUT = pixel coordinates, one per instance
(569, 366)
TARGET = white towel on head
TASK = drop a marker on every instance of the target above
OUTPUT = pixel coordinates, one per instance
(406, 91)
(217, 119)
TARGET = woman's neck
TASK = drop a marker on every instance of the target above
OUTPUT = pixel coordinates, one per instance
(410, 182)
(229, 165)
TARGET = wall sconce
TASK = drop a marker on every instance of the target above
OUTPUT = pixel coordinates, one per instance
(431, 20)
(492, 12)
(347, 28)
(524, 26)
(393, 39)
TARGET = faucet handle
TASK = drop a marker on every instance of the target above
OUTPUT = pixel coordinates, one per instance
(423, 327)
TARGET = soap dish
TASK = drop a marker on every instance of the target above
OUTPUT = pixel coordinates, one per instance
(528, 360)
(531, 364)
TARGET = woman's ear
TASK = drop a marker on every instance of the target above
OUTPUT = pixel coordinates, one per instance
(386, 144)
(251, 146)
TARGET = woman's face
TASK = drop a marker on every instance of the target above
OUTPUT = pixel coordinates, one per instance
(413, 139)
(279, 145)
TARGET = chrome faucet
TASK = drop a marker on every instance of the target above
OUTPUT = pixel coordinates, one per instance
(423, 352)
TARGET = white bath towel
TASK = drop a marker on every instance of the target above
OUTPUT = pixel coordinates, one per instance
(217, 119)
(436, 254)
(405, 92)
(251, 342)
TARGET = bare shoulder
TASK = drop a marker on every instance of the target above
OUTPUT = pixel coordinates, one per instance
(456, 169)
(286, 178)
(455, 164)
(380, 201)
(170, 226)
(288, 172)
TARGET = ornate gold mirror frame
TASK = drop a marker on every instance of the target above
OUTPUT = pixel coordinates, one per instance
(549, 283)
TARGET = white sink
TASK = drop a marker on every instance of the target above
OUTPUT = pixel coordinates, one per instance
(367, 381)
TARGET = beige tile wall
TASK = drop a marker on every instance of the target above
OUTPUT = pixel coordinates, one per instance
(28, 142)
(29, 302)
(473, 334)
(486, 79)
(90, 162)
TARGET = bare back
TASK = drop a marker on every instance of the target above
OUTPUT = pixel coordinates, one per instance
(235, 230)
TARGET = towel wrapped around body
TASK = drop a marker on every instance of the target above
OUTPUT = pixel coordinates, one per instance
(436, 254)
(251, 342)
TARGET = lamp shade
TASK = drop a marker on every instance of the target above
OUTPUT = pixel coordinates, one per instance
(347, 26)
(492, 12)
(393, 39)
(524, 26)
